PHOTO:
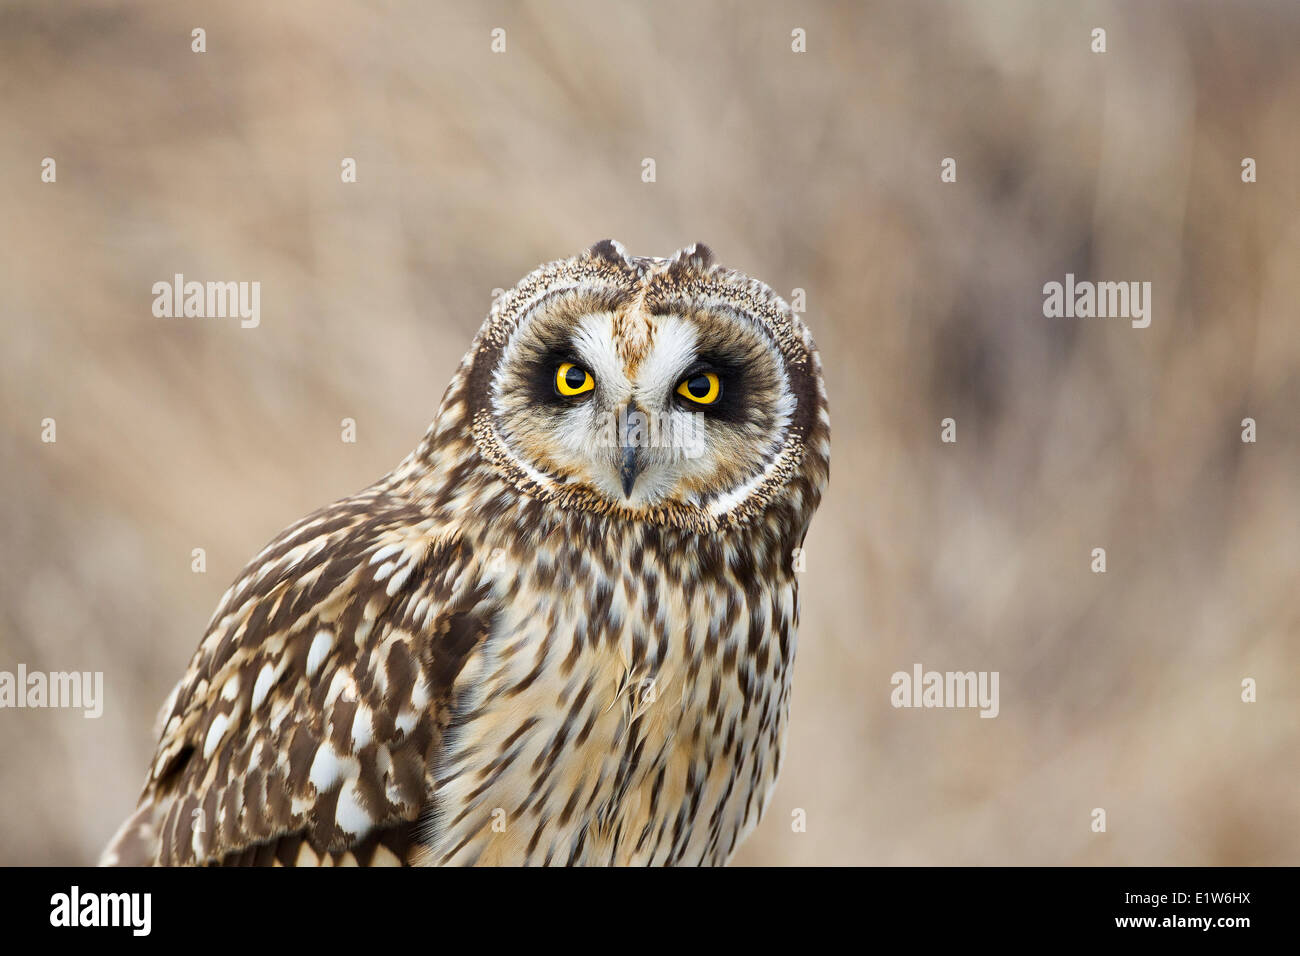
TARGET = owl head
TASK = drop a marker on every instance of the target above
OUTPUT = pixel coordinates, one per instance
(666, 390)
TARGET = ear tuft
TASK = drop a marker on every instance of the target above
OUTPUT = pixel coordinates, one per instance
(695, 258)
(610, 250)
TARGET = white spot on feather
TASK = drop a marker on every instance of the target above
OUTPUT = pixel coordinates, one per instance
(220, 723)
(342, 681)
(399, 579)
(385, 552)
(349, 814)
(320, 648)
(262, 686)
(328, 768)
(196, 837)
(279, 711)
(230, 690)
(419, 695)
(405, 721)
(362, 728)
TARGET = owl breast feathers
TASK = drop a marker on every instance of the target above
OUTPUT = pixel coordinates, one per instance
(561, 631)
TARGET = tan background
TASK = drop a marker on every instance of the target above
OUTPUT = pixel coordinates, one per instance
(818, 171)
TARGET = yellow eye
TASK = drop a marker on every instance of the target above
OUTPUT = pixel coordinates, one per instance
(703, 388)
(571, 380)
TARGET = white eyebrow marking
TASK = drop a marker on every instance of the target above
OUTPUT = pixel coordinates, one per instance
(593, 340)
(675, 348)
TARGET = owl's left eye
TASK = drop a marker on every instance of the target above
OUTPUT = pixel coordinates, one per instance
(702, 388)
(571, 380)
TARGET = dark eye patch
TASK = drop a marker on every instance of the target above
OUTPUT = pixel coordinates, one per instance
(540, 381)
(730, 406)
(545, 342)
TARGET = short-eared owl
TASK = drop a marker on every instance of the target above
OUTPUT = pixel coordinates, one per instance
(561, 631)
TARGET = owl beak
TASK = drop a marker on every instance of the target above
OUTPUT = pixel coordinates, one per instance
(630, 468)
(631, 462)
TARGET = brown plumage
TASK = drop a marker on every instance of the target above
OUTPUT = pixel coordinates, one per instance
(529, 643)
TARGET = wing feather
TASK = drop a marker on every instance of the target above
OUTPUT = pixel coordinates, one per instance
(308, 722)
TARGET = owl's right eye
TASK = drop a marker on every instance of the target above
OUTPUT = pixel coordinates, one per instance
(572, 380)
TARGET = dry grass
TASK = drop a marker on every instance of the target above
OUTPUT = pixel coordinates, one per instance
(818, 171)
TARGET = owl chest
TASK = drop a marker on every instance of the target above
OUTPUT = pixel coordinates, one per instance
(630, 723)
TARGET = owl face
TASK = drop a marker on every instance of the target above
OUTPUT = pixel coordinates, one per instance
(665, 389)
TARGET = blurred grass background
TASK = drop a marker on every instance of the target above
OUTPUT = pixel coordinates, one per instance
(816, 170)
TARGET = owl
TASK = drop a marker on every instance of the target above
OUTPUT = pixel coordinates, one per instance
(561, 631)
